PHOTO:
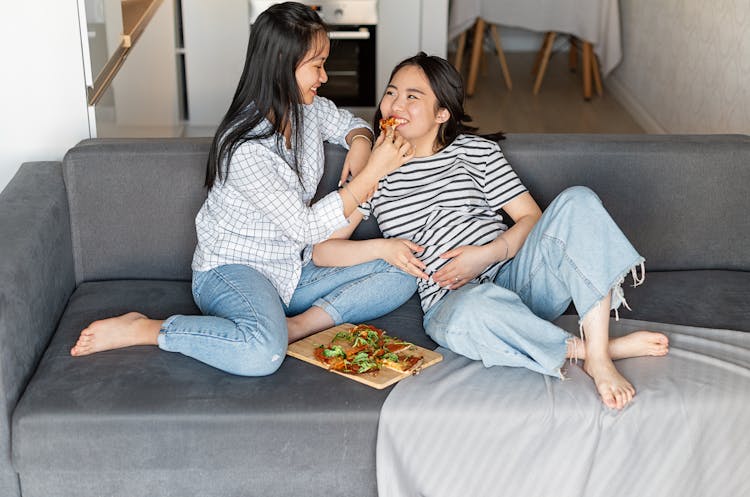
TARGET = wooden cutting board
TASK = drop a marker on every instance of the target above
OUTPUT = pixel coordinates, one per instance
(304, 350)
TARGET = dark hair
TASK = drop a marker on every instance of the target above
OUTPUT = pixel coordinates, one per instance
(448, 87)
(279, 39)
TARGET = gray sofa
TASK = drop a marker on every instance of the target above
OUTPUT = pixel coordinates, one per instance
(110, 229)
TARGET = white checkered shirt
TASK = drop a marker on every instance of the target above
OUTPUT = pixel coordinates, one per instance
(260, 214)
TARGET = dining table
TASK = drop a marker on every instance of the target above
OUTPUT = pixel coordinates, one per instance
(596, 22)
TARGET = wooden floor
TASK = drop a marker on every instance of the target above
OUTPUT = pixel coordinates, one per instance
(558, 108)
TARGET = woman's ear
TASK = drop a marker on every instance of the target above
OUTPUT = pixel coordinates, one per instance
(443, 115)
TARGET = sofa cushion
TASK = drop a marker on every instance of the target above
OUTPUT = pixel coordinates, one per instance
(708, 299)
(681, 200)
(149, 412)
(133, 206)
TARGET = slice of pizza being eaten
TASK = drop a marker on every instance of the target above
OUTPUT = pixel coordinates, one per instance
(388, 125)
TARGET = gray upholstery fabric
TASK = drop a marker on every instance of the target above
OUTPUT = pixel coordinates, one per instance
(133, 207)
(681, 200)
(154, 420)
(36, 278)
(706, 299)
(140, 421)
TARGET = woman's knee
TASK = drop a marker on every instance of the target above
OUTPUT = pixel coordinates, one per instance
(259, 358)
(579, 195)
(573, 203)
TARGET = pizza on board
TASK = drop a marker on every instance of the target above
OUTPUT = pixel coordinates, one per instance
(367, 349)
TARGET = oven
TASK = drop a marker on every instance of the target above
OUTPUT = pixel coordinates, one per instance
(351, 63)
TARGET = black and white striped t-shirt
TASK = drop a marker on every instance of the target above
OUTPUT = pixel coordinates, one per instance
(447, 200)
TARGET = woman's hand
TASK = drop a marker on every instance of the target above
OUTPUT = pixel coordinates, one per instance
(399, 252)
(390, 152)
(356, 158)
(467, 262)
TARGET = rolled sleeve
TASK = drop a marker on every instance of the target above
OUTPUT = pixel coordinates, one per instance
(336, 123)
(365, 208)
(501, 183)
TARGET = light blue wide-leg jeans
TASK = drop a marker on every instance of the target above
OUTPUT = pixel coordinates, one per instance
(243, 330)
(574, 253)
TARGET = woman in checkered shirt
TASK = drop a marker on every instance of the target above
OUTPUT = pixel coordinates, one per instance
(253, 277)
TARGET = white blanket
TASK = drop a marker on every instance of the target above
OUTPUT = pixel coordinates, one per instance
(460, 429)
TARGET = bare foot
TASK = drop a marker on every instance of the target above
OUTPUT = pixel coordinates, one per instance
(636, 344)
(311, 321)
(129, 329)
(639, 343)
(616, 392)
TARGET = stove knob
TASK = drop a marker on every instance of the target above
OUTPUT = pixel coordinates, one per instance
(338, 13)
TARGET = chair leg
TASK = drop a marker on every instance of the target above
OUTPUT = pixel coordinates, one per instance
(501, 56)
(587, 70)
(573, 54)
(476, 53)
(460, 51)
(597, 74)
(548, 42)
(539, 56)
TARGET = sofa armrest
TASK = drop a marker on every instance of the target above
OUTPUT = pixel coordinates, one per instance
(36, 280)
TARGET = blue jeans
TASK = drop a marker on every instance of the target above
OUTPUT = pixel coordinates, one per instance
(575, 253)
(243, 330)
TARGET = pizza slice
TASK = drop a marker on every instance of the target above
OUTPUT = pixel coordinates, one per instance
(402, 362)
(388, 125)
(366, 349)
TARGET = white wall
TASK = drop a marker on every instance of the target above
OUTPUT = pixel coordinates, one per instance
(216, 34)
(43, 108)
(404, 28)
(686, 65)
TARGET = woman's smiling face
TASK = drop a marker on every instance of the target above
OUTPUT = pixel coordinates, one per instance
(310, 73)
(409, 98)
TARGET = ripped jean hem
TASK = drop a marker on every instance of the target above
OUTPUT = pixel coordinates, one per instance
(616, 293)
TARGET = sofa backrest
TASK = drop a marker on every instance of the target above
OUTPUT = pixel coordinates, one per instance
(680, 199)
(133, 205)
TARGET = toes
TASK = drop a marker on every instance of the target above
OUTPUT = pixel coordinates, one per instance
(661, 349)
(619, 399)
(609, 399)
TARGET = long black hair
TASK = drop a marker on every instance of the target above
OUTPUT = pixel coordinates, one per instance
(279, 39)
(447, 85)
